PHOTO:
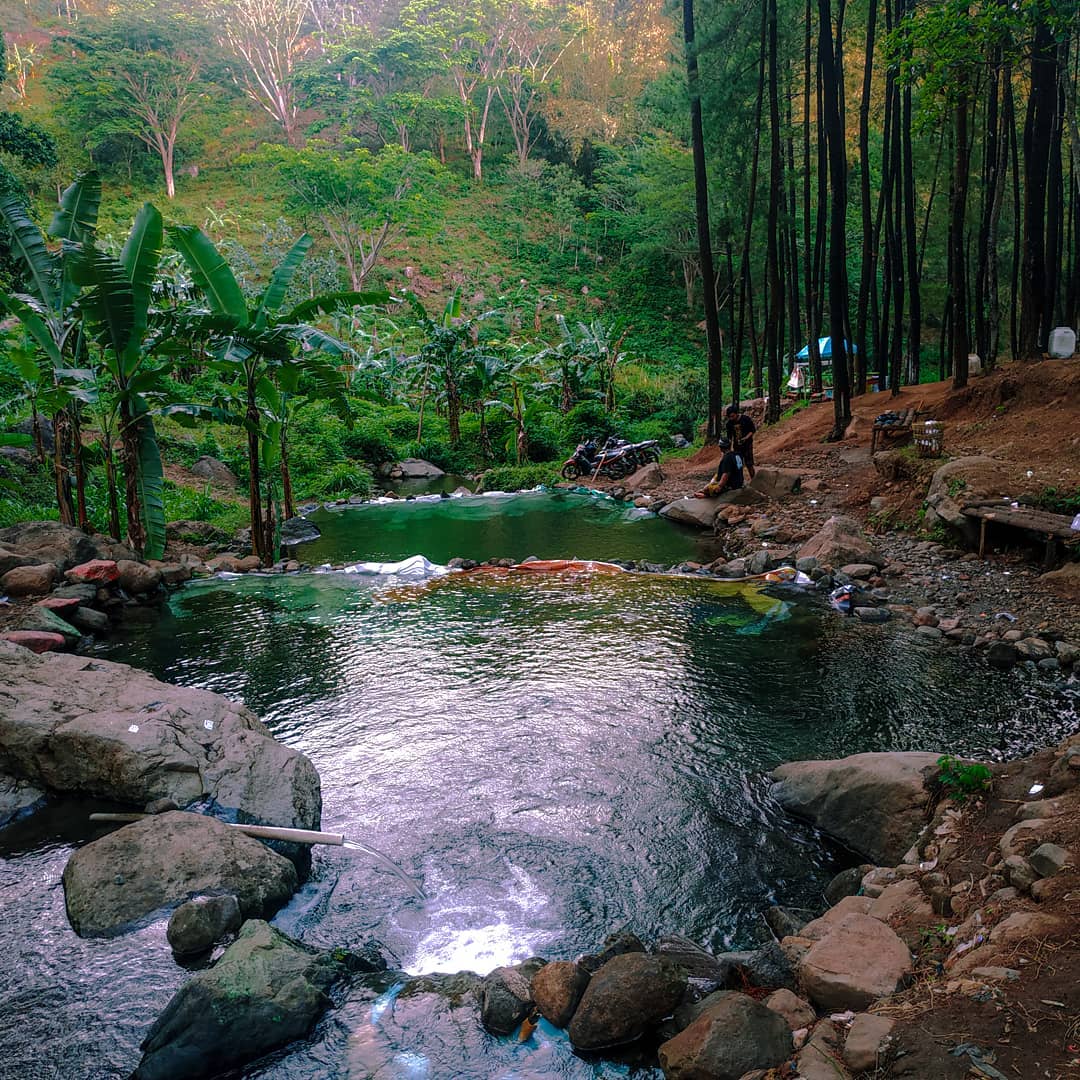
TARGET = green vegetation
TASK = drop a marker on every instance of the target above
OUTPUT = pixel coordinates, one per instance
(962, 780)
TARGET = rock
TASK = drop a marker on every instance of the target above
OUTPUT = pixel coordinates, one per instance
(1040, 808)
(118, 881)
(775, 483)
(17, 799)
(1025, 926)
(101, 571)
(873, 614)
(964, 480)
(557, 988)
(875, 803)
(1065, 581)
(196, 926)
(9, 560)
(298, 530)
(796, 1012)
(617, 944)
(37, 641)
(418, 469)
(34, 580)
(66, 726)
(859, 571)
(1033, 649)
(264, 992)
(930, 632)
(624, 999)
(506, 999)
(172, 573)
(217, 472)
(91, 620)
(1002, 655)
(824, 924)
(867, 1040)
(137, 577)
(646, 478)
(699, 512)
(785, 921)
(700, 965)
(84, 592)
(818, 1060)
(903, 898)
(62, 545)
(846, 883)
(1020, 873)
(195, 532)
(840, 542)
(857, 962)
(767, 966)
(1048, 860)
(42, 620)
(733, 1036)
(64, 606)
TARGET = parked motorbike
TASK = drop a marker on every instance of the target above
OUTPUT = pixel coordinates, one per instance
(639, 453)
(589, 459)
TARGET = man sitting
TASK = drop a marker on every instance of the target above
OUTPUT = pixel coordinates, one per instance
(729, 474)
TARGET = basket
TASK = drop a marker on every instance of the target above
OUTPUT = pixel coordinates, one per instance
(928, 437)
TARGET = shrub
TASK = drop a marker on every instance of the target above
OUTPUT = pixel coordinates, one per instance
(517, 477)
(587, 420)
(960, 779)
(368, 441)
(342, 478)
(190, 504)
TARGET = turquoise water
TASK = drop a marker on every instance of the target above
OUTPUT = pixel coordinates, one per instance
(551, 758)
(549, 525)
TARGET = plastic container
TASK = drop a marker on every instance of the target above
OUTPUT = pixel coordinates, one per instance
(1062, 342)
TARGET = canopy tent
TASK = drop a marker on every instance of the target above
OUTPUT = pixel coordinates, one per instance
(825, 348)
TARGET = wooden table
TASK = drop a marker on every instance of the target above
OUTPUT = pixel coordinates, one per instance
(1053, 527)
(888, 431)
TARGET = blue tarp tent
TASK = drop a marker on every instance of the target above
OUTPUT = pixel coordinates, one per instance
(825, 348)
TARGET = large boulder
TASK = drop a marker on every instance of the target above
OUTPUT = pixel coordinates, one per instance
(418, 469)
(839, 542)
(264, 992)
(964, 480)
(646, 478)
(557, 988)
(137, 577)
(626, 997)
(298, 530)
(159, 862)
(732, 1036)
(858, 961)
(702, 512)
(62, 545)
(196, 925)
(874, 803)
(1064, 581)
(217, 472)
(87, 726)
(775, 483)
(195, 532)
(9, 560)
(17, 798)
(29, 580)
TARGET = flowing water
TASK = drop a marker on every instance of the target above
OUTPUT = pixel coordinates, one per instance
(543, 758)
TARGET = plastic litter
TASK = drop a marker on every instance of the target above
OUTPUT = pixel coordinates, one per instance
(414, 568)
(980, 1060)
(1008, 616)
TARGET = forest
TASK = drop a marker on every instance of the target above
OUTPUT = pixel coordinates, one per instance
(309, 237)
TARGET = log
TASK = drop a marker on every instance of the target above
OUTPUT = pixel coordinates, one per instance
(262, 832)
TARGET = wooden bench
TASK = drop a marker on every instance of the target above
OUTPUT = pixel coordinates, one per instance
(890, 432)
(1053, 527)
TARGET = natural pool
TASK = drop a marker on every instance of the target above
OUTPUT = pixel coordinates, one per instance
(550, 758)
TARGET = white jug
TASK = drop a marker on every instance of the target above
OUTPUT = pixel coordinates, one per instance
(1062, 342)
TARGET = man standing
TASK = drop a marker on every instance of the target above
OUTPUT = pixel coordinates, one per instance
(740, 430)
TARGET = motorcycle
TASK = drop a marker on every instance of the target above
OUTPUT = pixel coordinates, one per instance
(589, 459)
(639, 453)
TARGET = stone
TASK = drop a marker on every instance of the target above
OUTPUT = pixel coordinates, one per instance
(702, 513)
(647, 478)
(91, 620)
(17, 799)
(37, 641)
(66, 725)
(767, 966)
(797, 1012)
(197, 925)
(217, 472)
(733, 1036)
(819, 1059)
(867, 1040)
(1022, 837)
(785, 921)
(1020, 873)
(84, 592)
(1064, 581)
(59, 605)
(617, 944)
(846, 883)
(626, 997)
(228, 564)
(9, 560)
(904, 899)
(931, 632)
(557, 988)
(873, 614)
(840, 541)
(137, 577)
(42, 620)
(1040, 808)
(1048, 859)
(775, 483)
(298, 530)
(700, 965)
(172, 573)
(265, 991)
(62, 545)
(418, 469)
(34, 580)
(1025, 926)
(101, 571)
(118, 881)
(818, 928)
(859, 571)
(875, 803)
(1002, 655)
(506, 999)
(857, 962)
(1033, 649)
(995, 974)
(964, 480)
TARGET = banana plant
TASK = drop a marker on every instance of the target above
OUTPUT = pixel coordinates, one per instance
(50, 316)
(270, 356)
(116, 308)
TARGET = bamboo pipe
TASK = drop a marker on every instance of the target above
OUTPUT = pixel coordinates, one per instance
(263, 832)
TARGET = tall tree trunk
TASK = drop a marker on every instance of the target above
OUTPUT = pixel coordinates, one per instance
(914, 334)
(809, 262)
(287, 499)
(867, 275)
(258, 539)
(110, 484)
(957, 261)
(772, 257)
(82, 519)
(705, 255)
(61, 479)
(129, 453)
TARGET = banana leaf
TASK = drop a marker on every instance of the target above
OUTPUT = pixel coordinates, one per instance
(187, 413)
(11, 438)
(76, 220)
(26, 239)
(274, 295)
(150, 481)
(210, 272)
(328, 303)
(33, 324)
(109, 305)
(139, 259)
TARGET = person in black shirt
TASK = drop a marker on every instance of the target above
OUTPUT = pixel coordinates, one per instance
(729, 473)
(740, 430)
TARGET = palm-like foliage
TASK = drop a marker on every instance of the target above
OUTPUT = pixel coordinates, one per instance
(266, 354)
